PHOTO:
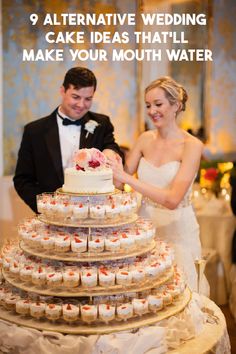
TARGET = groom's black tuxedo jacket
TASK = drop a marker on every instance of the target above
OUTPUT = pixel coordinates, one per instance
(39, 166)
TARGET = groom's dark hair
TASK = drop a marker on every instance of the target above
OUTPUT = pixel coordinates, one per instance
(80, 77)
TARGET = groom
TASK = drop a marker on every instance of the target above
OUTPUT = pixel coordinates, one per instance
(49, 143)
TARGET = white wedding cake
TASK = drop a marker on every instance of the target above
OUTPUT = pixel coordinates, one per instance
(89, 173)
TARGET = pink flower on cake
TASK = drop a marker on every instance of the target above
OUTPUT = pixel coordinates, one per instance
(98, 158)
(81, 159)
(86, 159)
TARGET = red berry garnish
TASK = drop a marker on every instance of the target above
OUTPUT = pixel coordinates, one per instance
(78, 168)
(94, 164)
(86, 307)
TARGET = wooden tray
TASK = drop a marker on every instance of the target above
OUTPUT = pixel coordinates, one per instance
(99, 328)
(90, 292)
(86, 256)
(92, 223)
(60, 191)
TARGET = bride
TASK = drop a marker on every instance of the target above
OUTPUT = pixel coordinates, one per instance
(166, 160)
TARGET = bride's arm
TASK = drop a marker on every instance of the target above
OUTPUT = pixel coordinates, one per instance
(169, 197)
(134, 155)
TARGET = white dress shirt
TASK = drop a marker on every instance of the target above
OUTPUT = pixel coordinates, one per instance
(69, 136)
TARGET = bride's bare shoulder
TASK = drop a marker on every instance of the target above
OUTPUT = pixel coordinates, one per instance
(192, 142)
(144, 139)
(147, 135)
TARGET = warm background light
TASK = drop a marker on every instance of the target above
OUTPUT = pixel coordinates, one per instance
(127, 188)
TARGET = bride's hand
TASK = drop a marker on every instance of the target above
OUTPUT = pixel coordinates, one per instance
(118, 171)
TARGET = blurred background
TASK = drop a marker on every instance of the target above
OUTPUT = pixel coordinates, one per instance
(30, 90)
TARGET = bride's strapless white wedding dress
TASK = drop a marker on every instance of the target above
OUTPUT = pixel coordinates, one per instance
(178, 227)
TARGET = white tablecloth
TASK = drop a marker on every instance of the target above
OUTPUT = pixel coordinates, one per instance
(216, 232)
(204, 331)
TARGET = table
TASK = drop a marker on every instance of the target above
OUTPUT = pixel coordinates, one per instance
(216, 232)
(207, 331)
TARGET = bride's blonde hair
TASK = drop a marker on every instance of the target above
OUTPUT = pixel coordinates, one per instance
(174, 92)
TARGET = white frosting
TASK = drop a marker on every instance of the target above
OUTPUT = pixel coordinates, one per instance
(112, 244)
(106, 311)
(97, 181)
(124, 310)
(112, 210)
(14, 268)
(173, 290)
(126, 241)
(97, 211)
(71, 276)
(53, 310)
(6, 263)
(35, 238)
(167, 298)
(140, 305)
(62, 242)
(79, 244)
(54, 278)
(123, 277)
(65, 208)
(80, 210)
(152, 270)
(26, 272)
(89, 310)
(70, 311)
(47, 242)
(37, 309)
(155, 301)
(89, 279)
(11, 299)
(39, 274)
(22, 306)
(138, 274)
(96, 244)
(106, 278)
(139, 237)
(125, 209)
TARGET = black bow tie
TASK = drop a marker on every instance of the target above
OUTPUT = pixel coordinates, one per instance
(66, 121)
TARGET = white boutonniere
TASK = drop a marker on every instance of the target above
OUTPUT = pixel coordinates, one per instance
(90, 126)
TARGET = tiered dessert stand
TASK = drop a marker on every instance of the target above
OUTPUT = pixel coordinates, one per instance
(86, 294)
